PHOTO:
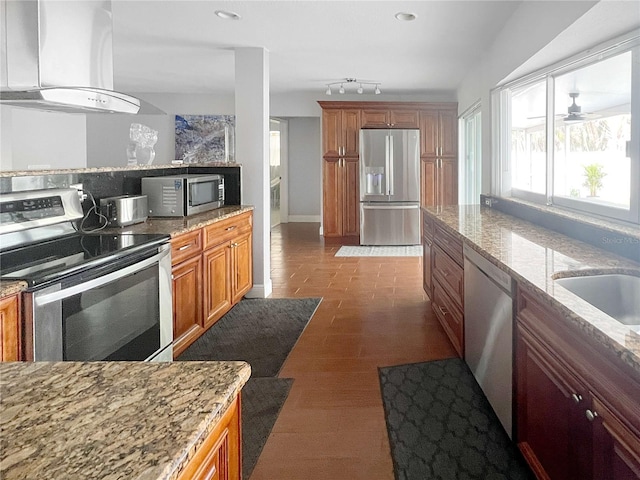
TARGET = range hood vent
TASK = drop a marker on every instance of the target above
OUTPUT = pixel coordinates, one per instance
(58, 56)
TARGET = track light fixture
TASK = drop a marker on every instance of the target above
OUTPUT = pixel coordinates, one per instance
(353, 81)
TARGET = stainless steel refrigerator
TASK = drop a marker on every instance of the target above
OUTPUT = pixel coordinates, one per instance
(389, 187)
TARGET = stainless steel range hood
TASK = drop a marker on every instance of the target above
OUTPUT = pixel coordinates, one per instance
(58, 55)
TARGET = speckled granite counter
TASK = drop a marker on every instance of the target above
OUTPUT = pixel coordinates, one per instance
(534, 256)
(9, 288)
(109, 420)
(177, 226)
(63, 171)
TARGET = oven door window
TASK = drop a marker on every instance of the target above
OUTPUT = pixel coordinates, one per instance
(202, 193)
(116, 321)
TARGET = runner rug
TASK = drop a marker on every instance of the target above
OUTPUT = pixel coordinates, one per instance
(261, 332)
(441, 426)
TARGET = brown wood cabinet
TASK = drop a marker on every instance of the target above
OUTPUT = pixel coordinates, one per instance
(212, 271)
(439, 155)
(578, 415)
(389, 118)
(340, 131)
(447, 283)
(219, 456)
(427, 245)
(340, 197)
(10, 329)
(340, 170)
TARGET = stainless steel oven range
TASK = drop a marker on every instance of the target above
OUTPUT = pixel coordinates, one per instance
(90, 296)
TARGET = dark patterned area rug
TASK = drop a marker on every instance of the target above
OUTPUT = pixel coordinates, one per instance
(261, 332)
(441, 426)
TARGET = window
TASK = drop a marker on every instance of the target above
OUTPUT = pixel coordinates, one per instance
(471, 166)
(568, 136)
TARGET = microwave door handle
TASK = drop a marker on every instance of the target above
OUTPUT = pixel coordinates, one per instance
(98, 282)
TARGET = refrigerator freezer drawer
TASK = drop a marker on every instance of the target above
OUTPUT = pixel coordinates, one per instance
(389, 224)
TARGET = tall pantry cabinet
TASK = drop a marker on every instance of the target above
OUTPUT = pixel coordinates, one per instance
(340, 171)
(341, 124)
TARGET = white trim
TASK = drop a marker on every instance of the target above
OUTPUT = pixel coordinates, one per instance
(304, 218)
(260, 291)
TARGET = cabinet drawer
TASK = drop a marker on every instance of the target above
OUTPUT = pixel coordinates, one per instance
(449, 243)
(185, 246)
(451, 319)
(449, 274)
(227, 229)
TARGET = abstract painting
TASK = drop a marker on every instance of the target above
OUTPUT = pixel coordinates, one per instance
(205, 138)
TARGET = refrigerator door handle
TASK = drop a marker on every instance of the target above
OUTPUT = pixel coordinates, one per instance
(389, 207)
(391, 165)
(386, 164)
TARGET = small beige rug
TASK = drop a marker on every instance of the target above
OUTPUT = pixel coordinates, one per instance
(379, 251)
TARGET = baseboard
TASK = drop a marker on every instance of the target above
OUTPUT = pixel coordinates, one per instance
(304, 218)
(260, 291)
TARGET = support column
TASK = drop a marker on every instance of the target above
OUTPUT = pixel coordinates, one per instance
(252, 151)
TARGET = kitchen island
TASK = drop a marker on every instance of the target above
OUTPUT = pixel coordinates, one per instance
(114, 420)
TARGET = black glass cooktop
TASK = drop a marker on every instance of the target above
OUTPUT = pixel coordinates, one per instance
(48, 261)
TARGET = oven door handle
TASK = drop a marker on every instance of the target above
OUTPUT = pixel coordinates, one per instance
(102, 280)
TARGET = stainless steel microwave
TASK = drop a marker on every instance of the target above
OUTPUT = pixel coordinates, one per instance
(183, 195)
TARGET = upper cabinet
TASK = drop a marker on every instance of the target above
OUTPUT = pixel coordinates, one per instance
(340, 132)
(389, 118)
(439, 132)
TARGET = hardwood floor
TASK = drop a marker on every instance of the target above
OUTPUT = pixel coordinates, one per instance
(373, 313)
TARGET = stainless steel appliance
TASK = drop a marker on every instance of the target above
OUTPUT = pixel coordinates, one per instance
(488, 332)
(59, 56)
(183, 195)
(124, 210)
(89, 296)
(389, 187)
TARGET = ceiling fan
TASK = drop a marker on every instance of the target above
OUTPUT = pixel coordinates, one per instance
(574, 112)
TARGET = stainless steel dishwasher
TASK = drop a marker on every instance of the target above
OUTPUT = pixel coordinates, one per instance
(488, 332)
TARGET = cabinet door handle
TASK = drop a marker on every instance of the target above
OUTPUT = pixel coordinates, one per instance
(232, 227)
(442, 311)
(591, 415)
(577, 398)
(234, 244)
(184, 247)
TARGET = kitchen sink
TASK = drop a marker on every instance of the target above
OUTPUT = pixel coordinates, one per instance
(617, 295)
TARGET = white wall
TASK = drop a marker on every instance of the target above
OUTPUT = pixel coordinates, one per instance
(6, 160)
(46, 139)
(305, 169)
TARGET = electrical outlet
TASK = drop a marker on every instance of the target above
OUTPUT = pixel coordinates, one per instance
(81, 195)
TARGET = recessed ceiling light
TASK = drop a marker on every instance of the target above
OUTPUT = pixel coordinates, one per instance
(227, 15)
(406, 16)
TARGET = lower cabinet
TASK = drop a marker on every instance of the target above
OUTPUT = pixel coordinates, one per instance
(211, 273)
(577, 410)
(446, 265)
(219, 457)
(10, 329)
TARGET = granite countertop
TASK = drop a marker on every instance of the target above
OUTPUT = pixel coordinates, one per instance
(175, 226)
(110, 420)
(11, 287)
(535, 256)
(58, 171)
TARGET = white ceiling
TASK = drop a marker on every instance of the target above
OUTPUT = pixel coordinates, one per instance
(182, 46)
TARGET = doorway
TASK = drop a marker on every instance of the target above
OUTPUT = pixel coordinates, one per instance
(278, 130)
